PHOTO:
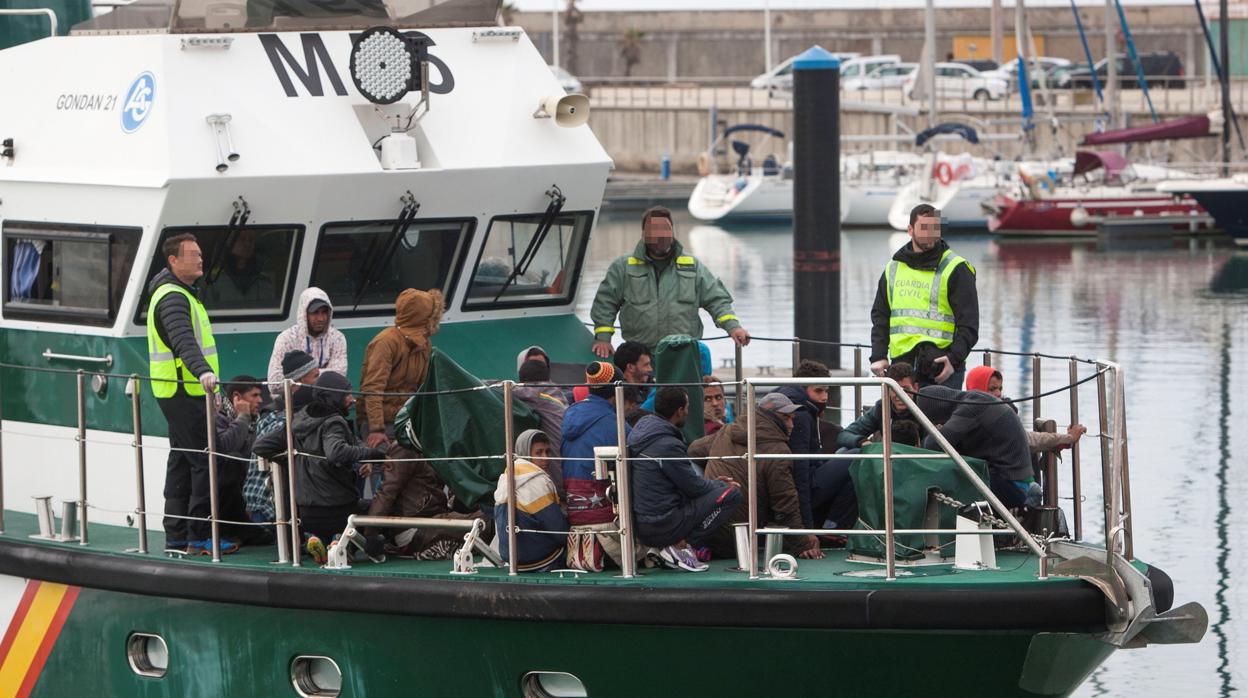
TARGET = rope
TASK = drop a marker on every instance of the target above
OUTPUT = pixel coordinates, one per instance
(181, 517)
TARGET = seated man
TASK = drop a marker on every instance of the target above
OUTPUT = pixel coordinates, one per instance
(987, 379)
(328, 464)
(545, 399)
(536, 447)
(805, 438)
(776, 495)
(537, 507)
(236, 430)
(299, 366)
(714, 405)
(860, 433)
(979, 425)
(673, 507)
(586, 424)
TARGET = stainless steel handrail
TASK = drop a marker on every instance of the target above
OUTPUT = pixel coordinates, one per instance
(887, 385)
(50, 355)
(36, 11)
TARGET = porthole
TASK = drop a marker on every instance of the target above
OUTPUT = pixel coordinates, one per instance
(552, 684)
(148, 654)
(315, 676)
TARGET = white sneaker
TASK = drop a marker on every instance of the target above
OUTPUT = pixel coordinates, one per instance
(681, 559)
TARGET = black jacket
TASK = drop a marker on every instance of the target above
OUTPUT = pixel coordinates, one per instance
(871, 421)
(325, 477)
(804, 439)
(173, 324)
(660, 488)
(963, 298)
(978, 425)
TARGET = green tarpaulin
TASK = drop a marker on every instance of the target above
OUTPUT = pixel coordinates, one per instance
(461, 424)
(677, 360)
(912, 480)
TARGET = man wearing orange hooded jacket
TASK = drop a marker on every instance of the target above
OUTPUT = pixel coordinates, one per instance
(396, 362)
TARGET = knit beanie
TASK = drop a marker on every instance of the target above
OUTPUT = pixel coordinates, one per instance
(296, 364)
(599, 372)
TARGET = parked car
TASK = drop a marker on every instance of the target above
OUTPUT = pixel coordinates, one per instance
(1041, 68)
(567, 81)
(856, 68)
(780, 78)
(961, 80)
(1158, 66)
(983, 66)
(884, 77)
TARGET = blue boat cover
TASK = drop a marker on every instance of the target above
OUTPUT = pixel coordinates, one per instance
(956, 129)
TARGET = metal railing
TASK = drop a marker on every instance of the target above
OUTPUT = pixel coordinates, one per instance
(1113, 447)
(34, 11)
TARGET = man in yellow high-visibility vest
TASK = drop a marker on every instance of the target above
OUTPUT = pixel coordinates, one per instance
(183, 365)
(926, 310)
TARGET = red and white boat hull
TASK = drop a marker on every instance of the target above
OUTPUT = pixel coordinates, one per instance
(1076, 216)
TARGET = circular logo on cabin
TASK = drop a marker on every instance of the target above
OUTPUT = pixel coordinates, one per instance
(137, 105)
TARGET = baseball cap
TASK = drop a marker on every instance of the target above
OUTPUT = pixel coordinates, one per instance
(777, 402)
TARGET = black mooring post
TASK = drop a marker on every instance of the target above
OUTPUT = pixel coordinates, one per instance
(817, 204)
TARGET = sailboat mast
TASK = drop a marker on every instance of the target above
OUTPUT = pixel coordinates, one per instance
(1224, 33)
(929, 36)
(1111, 65)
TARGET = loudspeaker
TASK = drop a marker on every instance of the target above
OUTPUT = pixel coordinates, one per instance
(568, 110)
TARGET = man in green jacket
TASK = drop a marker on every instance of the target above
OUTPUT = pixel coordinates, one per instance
(658, 290)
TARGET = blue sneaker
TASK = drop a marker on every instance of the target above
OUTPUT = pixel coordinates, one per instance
(204, 547)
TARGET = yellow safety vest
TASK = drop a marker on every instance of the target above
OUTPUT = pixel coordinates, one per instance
(919, 304)
(165, 367)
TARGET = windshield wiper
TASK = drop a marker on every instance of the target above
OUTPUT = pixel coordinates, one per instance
(521, 266)
(221, 250)
(377, 257)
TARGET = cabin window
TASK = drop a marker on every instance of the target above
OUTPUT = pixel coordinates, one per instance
(363, 266)
(248, 272)
(525, 263)
(67, 273)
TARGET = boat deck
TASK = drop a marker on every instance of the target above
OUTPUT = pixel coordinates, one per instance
(835, 571)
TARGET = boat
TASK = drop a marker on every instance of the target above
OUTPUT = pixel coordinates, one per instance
(957, 185)
(256, 133)
(1224, 198)
(870, 181)
(1119, 190)
(745, 190)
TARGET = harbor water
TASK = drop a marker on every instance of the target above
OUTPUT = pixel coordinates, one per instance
(1175, 316)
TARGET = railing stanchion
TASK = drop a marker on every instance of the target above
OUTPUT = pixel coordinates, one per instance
(1106, 487)
(295, 555)
(1076, 485)
(82, 457)
(278, 485)
(886, 430)
(1035, 387)
(751, 477)
(857, 388)
(623, 488)
(134, 388)
(1120, 390)
(509, 454)
(987, 358)
(797, 356)
(738, 371)
(210, 414)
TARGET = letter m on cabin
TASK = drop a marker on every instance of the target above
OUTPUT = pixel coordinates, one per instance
(315, 56)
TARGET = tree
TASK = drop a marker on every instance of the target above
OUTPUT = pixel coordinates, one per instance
(630, 49)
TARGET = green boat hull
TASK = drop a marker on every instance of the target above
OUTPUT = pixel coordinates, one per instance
(220, 649)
